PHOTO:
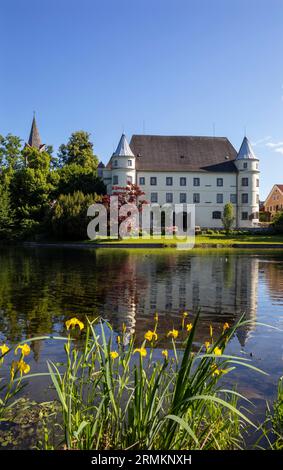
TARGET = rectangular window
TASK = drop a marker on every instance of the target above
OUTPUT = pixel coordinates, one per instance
(245, 181)
(169, 197)
(142, 180)
(245, 216)
(130, 162)
(257, 199)
(153, 197)
(196, 181)
(245, 165)
(196, 198)
(169, 181)
(233, 198)
(216, 215)
(115, 179)
(183, 181)
(219, 198)
(115, 162)
(245, 198)
(153, 181)
(129, 179)
(219, 181)
(183, 198)
(257, 183)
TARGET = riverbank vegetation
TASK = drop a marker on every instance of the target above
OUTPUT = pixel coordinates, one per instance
(113, 393)
(44, 197)
(207, 238)
(32, 181)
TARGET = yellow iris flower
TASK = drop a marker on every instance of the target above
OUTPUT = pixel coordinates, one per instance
(4, 348)
(173, 334)
(142, 351)
(218, 372)
(207, 345)
(165, 353)
(25, 349)
(189, 327)
(23, 367)
(20, 366)
(73, 322)
(217, 351)
(226, 326)
(114, 354)
(151, 335)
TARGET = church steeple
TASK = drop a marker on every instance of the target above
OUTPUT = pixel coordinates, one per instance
(34, 137)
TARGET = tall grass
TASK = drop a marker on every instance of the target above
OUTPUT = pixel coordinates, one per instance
(113, 396)
(272, 428)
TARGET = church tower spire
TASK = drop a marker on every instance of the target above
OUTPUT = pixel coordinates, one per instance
(34, 137)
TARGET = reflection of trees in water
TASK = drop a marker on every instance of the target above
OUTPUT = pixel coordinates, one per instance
(273, 274)
(39, 288)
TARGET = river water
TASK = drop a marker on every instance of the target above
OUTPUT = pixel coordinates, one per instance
(41, 287)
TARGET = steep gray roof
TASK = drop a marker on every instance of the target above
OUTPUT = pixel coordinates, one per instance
(246, 152)
(123, 149)
(183, 153)
(34, 137)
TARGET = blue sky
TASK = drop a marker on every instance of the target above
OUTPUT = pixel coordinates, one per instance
(154, 66)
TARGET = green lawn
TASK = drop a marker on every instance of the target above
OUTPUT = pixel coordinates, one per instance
(217, 239)
(231, 240)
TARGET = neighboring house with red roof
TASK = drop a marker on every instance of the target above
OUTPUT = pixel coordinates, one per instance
(274, 201)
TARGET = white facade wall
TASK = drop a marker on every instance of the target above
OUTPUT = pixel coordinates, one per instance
(246, 214)
(207, 191)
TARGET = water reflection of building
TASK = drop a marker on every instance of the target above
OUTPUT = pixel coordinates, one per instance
(40, 289)
(224, 287)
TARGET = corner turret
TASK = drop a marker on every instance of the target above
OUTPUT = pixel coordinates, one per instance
(247, 186)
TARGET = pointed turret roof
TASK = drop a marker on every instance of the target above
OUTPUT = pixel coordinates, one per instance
(34, 137)
(123, 149)
(246, 152)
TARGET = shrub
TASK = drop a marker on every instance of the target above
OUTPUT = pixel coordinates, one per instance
(228, 217)
(277, 222)
(69, 215)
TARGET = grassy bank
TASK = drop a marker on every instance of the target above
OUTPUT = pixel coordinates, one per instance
(217, 240)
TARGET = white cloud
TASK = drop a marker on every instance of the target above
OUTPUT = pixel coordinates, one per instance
(261, 141)
(274, 145)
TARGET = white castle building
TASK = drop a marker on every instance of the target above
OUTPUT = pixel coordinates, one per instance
(205, 171)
